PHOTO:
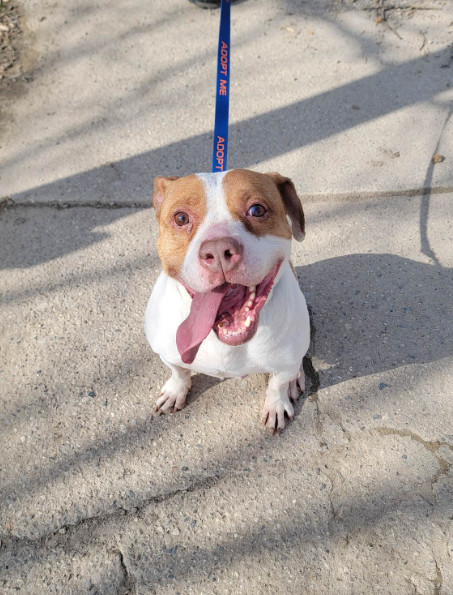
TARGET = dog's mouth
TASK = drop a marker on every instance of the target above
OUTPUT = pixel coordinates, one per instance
(231, 310)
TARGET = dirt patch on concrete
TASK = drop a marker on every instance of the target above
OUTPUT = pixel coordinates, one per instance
(18, 59)
(10, 38)
(17, 55)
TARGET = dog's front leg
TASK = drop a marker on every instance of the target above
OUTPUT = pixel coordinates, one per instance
(281, 390)
(173, 394)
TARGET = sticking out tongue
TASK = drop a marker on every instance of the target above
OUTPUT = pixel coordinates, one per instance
(198, 324)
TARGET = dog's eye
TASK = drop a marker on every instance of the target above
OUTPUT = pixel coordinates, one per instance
(256, 211)
(181, 218)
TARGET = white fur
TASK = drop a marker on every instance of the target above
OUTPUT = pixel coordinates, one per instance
(283, 334)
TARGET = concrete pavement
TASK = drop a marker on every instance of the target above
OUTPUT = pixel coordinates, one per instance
(122, 91)
(100, 496)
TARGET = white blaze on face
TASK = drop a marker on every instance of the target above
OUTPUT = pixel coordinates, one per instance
(260, 253)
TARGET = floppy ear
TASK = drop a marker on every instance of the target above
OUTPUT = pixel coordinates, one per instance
(159, 190)
(293, 206)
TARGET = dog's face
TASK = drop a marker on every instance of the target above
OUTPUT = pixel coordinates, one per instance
(224, 236)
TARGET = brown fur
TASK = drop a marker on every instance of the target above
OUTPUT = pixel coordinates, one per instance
(293, 206)
(243, 188)
(170, 196)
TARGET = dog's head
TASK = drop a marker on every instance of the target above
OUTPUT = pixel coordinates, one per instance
(224, 237)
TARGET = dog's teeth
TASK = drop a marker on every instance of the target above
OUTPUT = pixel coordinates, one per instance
(252, 295)
(247, 309)
(250, 303)
(248, 322)
(252, 288)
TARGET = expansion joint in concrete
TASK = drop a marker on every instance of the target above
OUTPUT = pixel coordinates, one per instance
(9, 203)
(6, 202)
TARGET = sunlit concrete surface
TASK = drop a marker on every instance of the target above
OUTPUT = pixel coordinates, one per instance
(99, 495)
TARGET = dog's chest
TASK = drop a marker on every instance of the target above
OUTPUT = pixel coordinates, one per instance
(215, 358)
(282, 333)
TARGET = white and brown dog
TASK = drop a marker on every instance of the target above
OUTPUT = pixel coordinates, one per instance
(228, 303)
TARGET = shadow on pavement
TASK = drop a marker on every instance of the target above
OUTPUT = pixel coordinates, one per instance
(34, 237)
(265, 136)
(377, 312)
(308, 529)
(372, 313)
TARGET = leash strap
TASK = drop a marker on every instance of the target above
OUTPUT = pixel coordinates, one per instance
(220, 149)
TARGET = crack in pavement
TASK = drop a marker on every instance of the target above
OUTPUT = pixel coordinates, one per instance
(432, 447)
(7, 203)
(128, 586)
(336, 524)
(8, 541)
(312, 394)
(435, 582)
(438, 581)
(405, 7)
(309, 369)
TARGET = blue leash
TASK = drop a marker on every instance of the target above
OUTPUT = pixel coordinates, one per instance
(220, 149)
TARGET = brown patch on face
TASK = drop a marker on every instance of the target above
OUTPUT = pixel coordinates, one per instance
(244, 188)
(159, 189)
(180, 195)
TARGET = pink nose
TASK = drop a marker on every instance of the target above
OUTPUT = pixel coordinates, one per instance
(220, 255)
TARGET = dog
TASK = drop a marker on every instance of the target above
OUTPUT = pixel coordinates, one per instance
(227, 302)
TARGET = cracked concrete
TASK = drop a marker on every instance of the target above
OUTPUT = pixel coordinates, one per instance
(90, 472)
(97, 495)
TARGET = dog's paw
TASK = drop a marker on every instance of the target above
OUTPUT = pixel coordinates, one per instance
(273, 416)
(296, 387)
(172, 396)
(279, 402)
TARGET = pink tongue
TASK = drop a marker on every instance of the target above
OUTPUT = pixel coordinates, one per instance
(200, 321)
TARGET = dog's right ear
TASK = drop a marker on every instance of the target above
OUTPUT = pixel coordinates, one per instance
(159, 190)
(293, 205)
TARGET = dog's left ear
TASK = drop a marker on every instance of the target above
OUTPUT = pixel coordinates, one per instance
(159, 191)
(293, 206)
